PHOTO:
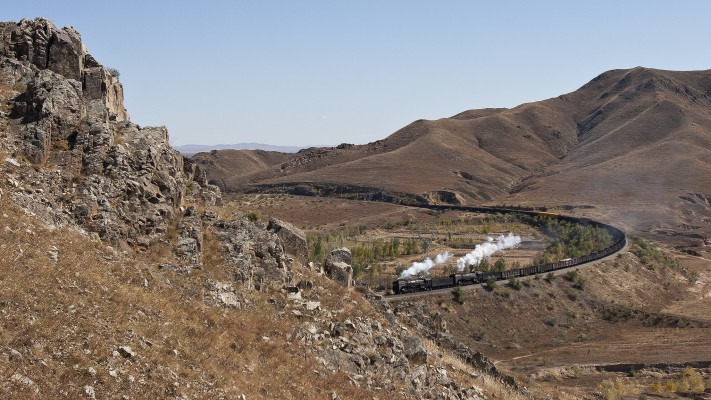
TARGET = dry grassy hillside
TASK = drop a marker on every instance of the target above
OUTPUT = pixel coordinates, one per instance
(643, 155)
(227, 167)
(632, 143)
(632, 321)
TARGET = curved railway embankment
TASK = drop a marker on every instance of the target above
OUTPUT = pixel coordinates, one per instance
(409, 288)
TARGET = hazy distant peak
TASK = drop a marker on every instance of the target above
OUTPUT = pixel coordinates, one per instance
(190, 149)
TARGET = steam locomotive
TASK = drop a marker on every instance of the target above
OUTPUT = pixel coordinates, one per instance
(402, 286)
(619, 241)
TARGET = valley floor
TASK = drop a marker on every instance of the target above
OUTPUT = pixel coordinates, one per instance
(635, 321)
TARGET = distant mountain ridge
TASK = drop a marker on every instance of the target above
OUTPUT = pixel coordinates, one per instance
(192, 149)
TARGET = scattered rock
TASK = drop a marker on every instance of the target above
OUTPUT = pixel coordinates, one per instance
(256, 254)
(313, 305)
(13, 355)
(190, 238)
(305, 284)
(53, 253)
(293, 296)
(90, 392)
(12, 162)
(338, 266)
(293, 238)
(414, 350)
(229, 299)
(25, 381)
(126, 351)
(222, 293)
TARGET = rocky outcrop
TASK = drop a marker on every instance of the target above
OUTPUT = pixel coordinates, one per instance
(92, 165)
(373, 354)
(61, 51)
(190, 238)
(414, 350)
(421, 317)
(55, 109)
(293, 238)
(256, 254)
(338, 266)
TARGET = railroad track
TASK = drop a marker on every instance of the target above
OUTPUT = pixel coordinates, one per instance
(414, 288)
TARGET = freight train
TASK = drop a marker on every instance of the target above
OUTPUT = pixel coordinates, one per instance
(402, 286)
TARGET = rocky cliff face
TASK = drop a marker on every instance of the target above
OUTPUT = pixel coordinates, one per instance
(65, 115)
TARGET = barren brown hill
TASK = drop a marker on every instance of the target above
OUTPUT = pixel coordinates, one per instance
(635, 141)
(225, 167)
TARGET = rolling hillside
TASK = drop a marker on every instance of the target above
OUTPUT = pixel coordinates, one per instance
(634, 144)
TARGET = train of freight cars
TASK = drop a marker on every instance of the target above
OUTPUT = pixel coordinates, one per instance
(401, 286)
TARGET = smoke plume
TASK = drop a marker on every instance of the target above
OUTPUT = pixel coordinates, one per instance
(486, 249)
(426, 265)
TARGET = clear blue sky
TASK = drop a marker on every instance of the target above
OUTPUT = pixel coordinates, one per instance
(327, 72)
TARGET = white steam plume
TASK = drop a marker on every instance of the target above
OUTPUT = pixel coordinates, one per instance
(486, 249)
(425, 266)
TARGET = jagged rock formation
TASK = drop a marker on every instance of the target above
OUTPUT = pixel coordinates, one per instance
(91, 93)
(66, 115)
(293, 238)
(338, 266)
(257, 254)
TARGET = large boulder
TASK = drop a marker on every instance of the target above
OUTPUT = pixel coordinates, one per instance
(292, 238)
(414, 350)
(338, 266)
(255, 254)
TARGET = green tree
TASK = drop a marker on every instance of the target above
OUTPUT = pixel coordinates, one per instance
(500, 264)
(459, 295)
(483, 265)
(426, 245)
(514, 283)
(490, 283)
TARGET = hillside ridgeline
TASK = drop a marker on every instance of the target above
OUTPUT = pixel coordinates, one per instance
(632, 143)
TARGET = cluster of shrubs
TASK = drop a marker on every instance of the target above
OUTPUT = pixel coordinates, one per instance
(616, 389)
(571, 240)
(365, 253)
(650, 256)
(688, 381)
(575, 279)
(113, 72)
